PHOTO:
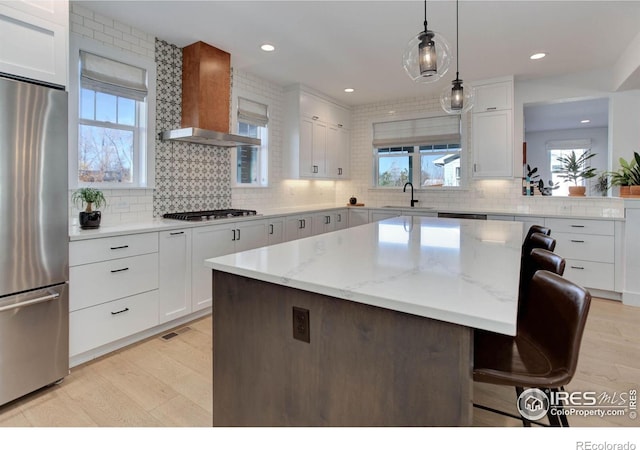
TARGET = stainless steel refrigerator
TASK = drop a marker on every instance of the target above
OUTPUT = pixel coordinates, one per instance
(34, 261)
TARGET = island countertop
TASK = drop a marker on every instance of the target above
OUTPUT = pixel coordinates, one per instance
(464, 272)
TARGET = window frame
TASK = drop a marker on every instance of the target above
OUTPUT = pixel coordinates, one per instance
(143, 172)
(264, 156)
(416, 166)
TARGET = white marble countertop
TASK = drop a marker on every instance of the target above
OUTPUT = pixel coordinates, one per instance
(459, 271)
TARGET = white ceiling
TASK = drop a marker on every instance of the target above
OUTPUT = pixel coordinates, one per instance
(331, 45)
(567, 115)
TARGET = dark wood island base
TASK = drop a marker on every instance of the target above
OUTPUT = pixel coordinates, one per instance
(363, 366)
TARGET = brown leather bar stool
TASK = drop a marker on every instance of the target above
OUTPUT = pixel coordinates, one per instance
(539, 259)
(537, 229)
(544, 352)
(527, 267)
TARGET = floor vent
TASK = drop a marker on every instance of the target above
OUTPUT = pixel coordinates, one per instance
(173, 334)
(168, 336)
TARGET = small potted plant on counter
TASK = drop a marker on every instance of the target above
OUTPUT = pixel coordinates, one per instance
(602, 184)
(627, 177)
(89, 219)
(574, 168)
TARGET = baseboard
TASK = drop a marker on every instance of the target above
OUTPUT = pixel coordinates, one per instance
(609, 295)
(631, 298)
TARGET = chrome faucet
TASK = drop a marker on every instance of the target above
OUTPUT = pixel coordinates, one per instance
(404, 189)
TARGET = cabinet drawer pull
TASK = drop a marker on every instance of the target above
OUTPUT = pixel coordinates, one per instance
(339, 217)
(119, 248)
(238, 230)
(339, 170)
(234, 235)
(492, 108)
(577, 241)
(577, 267)
(270, 228)
(315, 169)
(119, 312)
(120, 270)
(577, 226)
(176, 233)
(315, 117)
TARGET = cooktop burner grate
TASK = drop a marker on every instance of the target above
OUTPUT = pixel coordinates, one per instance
(210, 215)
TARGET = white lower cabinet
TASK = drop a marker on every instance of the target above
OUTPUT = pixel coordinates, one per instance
(217, 240)
(113, 288)
(329, 221)
(174, 270)
(275, 231)
(298, 226)
(589, 249)
(93, 327)
(358, 217)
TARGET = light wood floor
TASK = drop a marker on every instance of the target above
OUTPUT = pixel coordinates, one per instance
(168, 382)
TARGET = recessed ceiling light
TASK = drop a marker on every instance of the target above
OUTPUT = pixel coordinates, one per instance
(267, 47)
(585, 121)
(349, 90)
(537, 56)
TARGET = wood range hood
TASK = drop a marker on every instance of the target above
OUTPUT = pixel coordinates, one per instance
(206, 94)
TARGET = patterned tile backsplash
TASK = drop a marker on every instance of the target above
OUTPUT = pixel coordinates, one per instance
(189, 177)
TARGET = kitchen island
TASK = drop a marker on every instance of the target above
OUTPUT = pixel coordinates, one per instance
(383, 317)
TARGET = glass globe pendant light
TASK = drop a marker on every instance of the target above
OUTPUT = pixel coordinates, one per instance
(427, 56)
(457, 100)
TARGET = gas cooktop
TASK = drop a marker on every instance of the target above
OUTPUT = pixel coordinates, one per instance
(210, 215)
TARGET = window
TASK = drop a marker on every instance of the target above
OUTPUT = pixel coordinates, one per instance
(425, 151)
(111, 124)
(251, 163)
(556, 149)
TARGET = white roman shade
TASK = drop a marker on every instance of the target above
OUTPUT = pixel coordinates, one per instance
(569, 144)
(253, 113)
(112, 77)
(424, 131)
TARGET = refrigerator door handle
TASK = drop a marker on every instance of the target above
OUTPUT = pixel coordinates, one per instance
(46, 298)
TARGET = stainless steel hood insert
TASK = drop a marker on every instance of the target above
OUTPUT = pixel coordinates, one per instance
(208, 137)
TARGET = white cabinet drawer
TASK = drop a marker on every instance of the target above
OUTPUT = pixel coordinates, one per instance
(94, 250)
(586, 247)
(584, 226)
(590, 274)
(90, 328)
(92, 284)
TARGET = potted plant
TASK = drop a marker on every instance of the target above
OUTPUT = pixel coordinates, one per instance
(627, 176)
(547, 190)
(602, 184)
(574, 168)
(89, 218)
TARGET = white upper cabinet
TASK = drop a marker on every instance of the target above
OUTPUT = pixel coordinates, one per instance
(316, 136)
(493, 96)
(493, 129)
(35, 36)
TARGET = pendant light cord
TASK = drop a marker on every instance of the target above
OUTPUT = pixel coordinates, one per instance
(457, 45)
(425, 16)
